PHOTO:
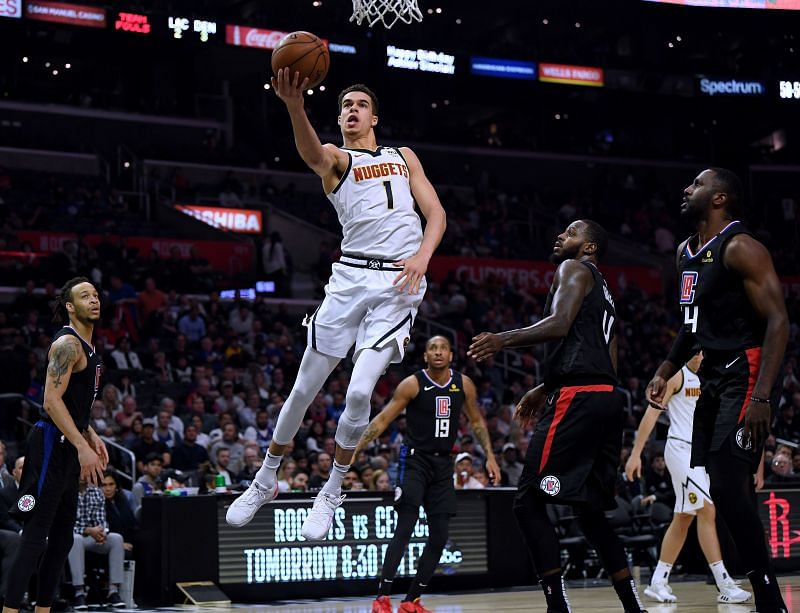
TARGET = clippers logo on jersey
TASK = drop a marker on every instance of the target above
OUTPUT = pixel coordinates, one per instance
(378, 171)
(442, 407)
(550, 485)
(688, 283)
(26, 503)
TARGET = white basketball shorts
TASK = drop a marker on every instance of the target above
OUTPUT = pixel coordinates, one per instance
(362, 307)
(691, 485)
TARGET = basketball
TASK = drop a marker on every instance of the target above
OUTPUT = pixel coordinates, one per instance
(302, 52)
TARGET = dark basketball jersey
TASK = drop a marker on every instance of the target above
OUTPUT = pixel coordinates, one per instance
(715, 306)
(583, 356)
(432, 416)
(83, 385)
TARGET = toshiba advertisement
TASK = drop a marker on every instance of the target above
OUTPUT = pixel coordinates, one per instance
(246, 221)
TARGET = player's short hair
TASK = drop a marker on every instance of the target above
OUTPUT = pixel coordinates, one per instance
(595, 233)
(430, 340)
(359, 87)
(60, 313)
(730, 184)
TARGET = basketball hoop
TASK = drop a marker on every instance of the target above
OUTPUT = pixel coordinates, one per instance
(388, 12)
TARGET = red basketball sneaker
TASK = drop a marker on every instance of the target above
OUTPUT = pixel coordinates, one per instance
(413, 607)
(382, 604)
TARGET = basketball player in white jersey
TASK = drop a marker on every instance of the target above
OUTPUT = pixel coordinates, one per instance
(373, 294)
(691, 487)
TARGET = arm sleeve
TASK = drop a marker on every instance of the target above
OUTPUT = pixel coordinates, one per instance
(683, 348)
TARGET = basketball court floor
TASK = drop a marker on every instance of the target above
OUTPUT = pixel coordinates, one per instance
(693, 597)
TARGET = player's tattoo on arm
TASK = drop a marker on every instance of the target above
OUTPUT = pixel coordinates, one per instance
(479, 429)
(63, 357)
(372, 432)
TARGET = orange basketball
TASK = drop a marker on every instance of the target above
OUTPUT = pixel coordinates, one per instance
(302, 52)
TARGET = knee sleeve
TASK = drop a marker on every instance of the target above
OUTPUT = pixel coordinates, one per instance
(438, 531)
(538, 532)
(314, 369)
(606, 543)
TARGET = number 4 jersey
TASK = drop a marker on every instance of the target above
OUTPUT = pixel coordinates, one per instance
(715, 306)
(432, 416)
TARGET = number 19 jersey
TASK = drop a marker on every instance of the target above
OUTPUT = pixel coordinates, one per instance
(432, 416)
(375, 206)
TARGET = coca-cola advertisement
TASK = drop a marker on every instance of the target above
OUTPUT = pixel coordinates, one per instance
(258, 38)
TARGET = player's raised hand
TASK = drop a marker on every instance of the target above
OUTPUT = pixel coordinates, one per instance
(529, 405)
(655, 392)
(289, 88)
(484, 346)
(414, 269)
(633, 467)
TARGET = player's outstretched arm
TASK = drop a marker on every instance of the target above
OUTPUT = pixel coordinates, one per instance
(479, 429)
(571, 284)
(747, 257)
(414, 267)
(327, 161)
(406, 391)
(633, 467)
(64, 355)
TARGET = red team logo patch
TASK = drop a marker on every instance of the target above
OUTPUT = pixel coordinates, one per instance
(442, 407)
(688, 283)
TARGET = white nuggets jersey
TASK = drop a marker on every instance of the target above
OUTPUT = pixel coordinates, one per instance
(681, 405)
(375, 207)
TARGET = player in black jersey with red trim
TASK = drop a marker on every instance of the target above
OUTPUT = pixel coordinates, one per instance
(433, 399)
(574, 452)
(61, 449)
(733, 307)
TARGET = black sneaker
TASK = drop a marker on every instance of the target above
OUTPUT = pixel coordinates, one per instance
(79, 603)
(115, 600)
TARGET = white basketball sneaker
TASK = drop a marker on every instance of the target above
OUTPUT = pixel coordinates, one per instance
(729, 592)
(319, 519)
(661, 592)
(243, 509)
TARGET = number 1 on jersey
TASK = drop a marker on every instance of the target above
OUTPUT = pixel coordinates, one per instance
(387, 185)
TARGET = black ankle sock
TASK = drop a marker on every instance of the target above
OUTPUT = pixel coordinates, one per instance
(385, 588)
(628, 596)
(555, 593)
(766, 591)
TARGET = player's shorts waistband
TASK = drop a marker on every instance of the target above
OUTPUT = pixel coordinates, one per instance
(358, 261)
(675, 438)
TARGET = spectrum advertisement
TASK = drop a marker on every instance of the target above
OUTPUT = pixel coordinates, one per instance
(270, 549)
(730, 87)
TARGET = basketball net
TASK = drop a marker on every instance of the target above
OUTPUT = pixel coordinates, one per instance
(388, 12)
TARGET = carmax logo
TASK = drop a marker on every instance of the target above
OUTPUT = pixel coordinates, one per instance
(731, 87)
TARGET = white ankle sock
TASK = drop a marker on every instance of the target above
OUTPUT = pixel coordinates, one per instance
(334, 484)
(719, 571)
(267, 474)
(661, 573)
